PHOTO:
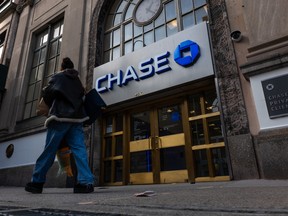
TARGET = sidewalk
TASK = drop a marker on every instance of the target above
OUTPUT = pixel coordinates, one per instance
(246, 197)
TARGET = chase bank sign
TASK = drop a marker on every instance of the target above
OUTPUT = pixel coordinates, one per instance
(173, 61)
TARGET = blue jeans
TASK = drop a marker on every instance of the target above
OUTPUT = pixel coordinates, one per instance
(74, 137)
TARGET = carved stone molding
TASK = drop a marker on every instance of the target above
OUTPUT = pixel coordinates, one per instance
(24, 3)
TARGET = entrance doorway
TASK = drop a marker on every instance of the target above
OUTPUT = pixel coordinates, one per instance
(157, 146)
(176, 140)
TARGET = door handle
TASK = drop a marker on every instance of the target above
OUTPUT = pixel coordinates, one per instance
(149, 142)
(158, 142)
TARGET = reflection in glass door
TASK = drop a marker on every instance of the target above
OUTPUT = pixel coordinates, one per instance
(157, 146)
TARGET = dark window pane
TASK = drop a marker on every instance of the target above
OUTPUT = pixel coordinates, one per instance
(109, 124)
(172, 158)
(36, 58)
(170, 120)
(140, 126)
(40, 72)
(211, 102)
(197, 132)
(51, 66)
(107, 56)
(53, 49)
(108, 147)
(107, 171)
(108, 41)
(33, 76)
(118, 172)
(27, 110)
(140, 162)
(30, 93)
(220, 161)
(201, 163)
(119, 122)
(118, 145)
(215, 132)
(194, 105)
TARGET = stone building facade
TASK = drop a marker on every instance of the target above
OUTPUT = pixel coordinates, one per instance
(157, 127)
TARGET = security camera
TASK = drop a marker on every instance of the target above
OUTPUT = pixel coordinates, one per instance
(236, 36)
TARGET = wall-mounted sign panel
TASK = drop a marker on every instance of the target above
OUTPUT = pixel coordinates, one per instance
(276, 96)
(178, 59)
(270, 97)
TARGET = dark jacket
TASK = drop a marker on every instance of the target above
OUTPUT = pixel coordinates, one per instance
(64, 96)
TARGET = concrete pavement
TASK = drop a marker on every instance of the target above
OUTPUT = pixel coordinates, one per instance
(246, 197)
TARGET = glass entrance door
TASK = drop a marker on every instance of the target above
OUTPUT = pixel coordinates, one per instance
(157, 146)
(181, 141)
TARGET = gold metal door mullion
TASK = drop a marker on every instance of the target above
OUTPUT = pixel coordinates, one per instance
(206, 138)
(126, 148)
(103, 146)
(155, 147)
(188, 141)
(113, 146)
(210, 163)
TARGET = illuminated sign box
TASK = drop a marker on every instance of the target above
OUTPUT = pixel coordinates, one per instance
(173, 61)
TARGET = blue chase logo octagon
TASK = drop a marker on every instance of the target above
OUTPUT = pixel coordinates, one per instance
(184, 47)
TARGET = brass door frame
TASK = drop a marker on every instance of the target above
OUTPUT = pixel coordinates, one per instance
(155, 142)
(182, 100)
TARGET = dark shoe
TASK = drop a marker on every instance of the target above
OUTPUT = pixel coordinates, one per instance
(34, 187)
(83, 188)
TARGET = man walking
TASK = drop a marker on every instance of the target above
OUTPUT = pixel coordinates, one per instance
(64, 96)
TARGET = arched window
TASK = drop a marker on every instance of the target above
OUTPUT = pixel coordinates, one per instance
(123, 34)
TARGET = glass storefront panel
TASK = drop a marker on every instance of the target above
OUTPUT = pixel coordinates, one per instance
(118, 170)
(109, 124)
(211, 102)
(107, 171)
(170, 120)
(220, 161)
(215, 132)
(172, 158)
(108, 147)
(194, 105)
(197, 132)
(118, 145)
(119, 122)
(141, 161)
(202, 169)
(140, 126)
